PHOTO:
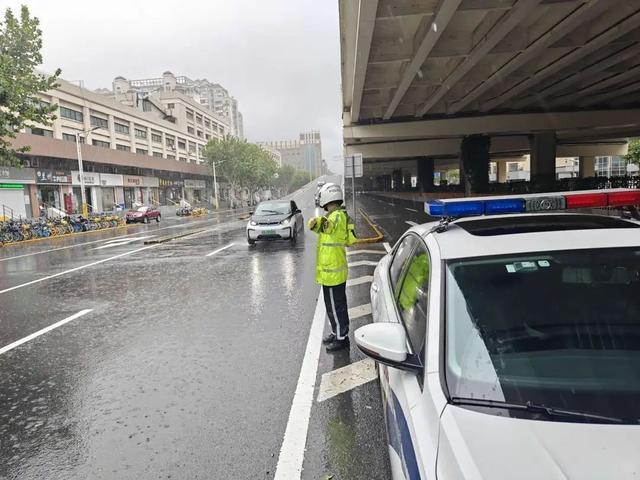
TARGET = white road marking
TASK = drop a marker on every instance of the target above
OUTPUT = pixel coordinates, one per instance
(295, 436)
(376, 252)
(59, 274)
(411, 209)
(122, 241)
(346, 378)
(17, 343)
(359, 311)
(386, 246)
(413, 224)
(361, 263)
(359, 281)
(219, 250)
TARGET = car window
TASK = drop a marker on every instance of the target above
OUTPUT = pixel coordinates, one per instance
(412, 299)
(400, 259)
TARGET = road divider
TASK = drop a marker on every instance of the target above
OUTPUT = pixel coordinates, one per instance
(166, 238)
(17, 343)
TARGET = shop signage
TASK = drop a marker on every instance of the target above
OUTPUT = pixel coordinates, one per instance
(90, 178)
(111, 180)
(25, 175)
(53, 176)
(11, 186)
(197, 184)
(170, 183)
(150, 182)
(132, 181)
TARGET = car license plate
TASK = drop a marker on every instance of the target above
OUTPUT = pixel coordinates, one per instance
(270, 232)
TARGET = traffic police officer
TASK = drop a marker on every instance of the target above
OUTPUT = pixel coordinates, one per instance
(335, 232)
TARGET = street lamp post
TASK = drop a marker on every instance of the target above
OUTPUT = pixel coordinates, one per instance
(215, 185)
(83, 195)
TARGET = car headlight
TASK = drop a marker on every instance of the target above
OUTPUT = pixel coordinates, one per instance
(285, 221)
(252, 223)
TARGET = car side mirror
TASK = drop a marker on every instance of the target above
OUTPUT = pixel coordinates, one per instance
(250, 212)
(297, 210)
(386, 343)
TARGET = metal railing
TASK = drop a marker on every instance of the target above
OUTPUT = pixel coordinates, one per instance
(7, 209)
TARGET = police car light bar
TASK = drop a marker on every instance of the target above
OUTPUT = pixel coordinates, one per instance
(531, 203)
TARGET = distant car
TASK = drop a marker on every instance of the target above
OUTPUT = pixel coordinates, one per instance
(144, 214)
(321, 183)
(275, 220)
(508, 341)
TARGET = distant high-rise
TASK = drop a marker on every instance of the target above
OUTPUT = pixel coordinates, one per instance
(303, 154)
(212, 95)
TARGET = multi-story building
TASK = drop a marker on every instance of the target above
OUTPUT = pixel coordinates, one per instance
(213, 96)
(302, 154)
(276, 156)
(147, 151)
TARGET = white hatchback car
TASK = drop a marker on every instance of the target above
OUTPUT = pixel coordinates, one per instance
(275, 220)
(509, 344)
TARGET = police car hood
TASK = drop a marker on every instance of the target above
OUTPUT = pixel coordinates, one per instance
(475, 445)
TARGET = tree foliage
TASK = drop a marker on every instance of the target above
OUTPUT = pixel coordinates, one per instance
(633, 155)
(20, 45)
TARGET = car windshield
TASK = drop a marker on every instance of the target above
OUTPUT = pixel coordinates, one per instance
(142, 209)
(273, 208)
(560, 329)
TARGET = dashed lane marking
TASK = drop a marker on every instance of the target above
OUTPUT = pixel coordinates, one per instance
(359, 281)
(359, 311)
(122, 241)
(375, 252)
(219, 250)
(291, 456)
(413, 224)
(361, 263)
(59, 274)
(17, 343)
(346, 378)
(386, 246)
(411, 209)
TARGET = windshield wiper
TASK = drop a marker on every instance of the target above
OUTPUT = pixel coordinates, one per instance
(534, 408)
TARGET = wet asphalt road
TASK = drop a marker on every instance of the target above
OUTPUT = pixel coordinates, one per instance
(184, 368)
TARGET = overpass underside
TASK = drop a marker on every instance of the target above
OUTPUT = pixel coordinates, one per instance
(471, 85)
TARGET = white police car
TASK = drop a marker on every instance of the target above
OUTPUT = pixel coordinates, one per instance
(509, 341)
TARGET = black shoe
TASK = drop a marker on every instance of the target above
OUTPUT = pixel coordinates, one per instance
(329, 338)
(338, 345)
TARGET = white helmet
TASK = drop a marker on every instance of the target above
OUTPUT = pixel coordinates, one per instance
(330, 192)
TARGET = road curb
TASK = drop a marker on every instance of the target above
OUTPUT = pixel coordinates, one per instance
(167, 238)
(379, 236)
(53, 237)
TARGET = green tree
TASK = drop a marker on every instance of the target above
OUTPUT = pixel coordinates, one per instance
(633, 154)
(20, 45)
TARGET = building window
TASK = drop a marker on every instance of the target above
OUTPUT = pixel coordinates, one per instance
(121, 128)
(39, 131)
(100, 143)
(170, 141)
(191, 130)
(183, 159)
(123, 148)
(171, 157)
(207, 136)
(207, 123)
(182, 145)
(157, 154)
(99, 122)
(156, 136)
(70, 114)
(199, 119)
(200, 133)
(141, 151)
(171, 105)
(189, 115)
(140, 133)
(192, 147)
(70, 137)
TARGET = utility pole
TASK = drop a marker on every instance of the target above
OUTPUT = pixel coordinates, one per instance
(83, 194)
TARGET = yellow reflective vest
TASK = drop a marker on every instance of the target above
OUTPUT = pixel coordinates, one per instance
(416, 278)
(335, 232)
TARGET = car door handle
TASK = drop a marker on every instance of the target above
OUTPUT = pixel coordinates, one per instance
(374, 287)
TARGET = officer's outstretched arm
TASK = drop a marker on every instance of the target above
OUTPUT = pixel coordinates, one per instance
(315, 224)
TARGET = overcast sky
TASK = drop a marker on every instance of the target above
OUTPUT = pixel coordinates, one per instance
(279, 58)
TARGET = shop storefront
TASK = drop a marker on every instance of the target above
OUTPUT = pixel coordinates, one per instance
(91, 182)
(150, 190)
(195, 190)
(132, 189)
(170, 191)
(111, 186)
(16, 185)
(54, 189)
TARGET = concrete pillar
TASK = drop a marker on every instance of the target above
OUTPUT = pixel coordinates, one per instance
(425, 174)
(587, 167)
(543, 157)
(396, 176)
(474, 163)
(501, 174)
